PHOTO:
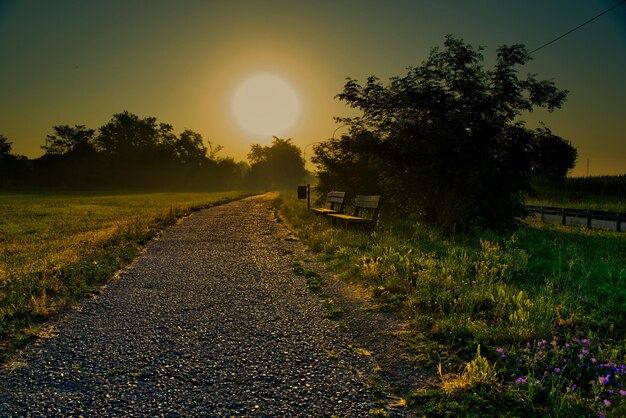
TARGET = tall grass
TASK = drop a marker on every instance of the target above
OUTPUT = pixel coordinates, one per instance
(57, 248)
(488, 289)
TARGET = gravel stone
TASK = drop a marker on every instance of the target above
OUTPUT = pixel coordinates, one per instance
(210, 320)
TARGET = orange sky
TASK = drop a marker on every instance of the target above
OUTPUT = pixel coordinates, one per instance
(79, 62)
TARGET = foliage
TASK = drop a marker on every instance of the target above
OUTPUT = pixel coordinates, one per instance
(553, 157)
(57, 248)
(603, 185)
(444, 140)
(477, 373)
(578, 200)
(5, 146)
(127, 151)
(12, 167)
(70, 139)
(490, 290)
(278, 166)
(570, 373)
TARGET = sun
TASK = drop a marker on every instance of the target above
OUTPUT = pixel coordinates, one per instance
(265, 105)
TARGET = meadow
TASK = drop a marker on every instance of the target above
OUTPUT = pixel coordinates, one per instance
(529, 322)
(58, 248)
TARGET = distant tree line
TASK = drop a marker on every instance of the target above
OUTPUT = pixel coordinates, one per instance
(130, 151)
(445, 143)
(604, 185)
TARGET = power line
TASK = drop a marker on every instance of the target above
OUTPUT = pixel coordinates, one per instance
(578, 27)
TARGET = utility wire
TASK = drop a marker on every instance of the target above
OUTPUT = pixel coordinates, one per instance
(578, 27)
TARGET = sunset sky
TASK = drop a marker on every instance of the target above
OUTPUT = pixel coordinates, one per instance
(193, 64)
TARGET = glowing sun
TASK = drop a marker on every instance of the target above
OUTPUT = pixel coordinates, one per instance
(265, 105)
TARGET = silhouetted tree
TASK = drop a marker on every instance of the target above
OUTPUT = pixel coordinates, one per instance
(14, 169)
(444, 140)
(553, 157)
(66, 139)
(189, 148)
(277, 166)
(5, 146)
(127, 134)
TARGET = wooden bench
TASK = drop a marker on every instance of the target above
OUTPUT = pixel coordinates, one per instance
(362, 204)
(335, 200)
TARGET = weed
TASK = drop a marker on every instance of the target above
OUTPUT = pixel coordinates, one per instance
(477, 373)
(313, 280)
(489, 290)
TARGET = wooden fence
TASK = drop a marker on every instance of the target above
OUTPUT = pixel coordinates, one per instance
(582, 217)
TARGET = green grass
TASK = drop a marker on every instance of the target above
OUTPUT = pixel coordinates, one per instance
(498, 291)
(57, 248)
(579, 200)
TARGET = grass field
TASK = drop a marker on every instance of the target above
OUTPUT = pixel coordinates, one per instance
(578, 200)
(55, 249)
(525, 323)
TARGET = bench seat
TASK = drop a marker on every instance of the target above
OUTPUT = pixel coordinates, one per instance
(324, 211)
(363, 204)
(336, 200)
(350, 218)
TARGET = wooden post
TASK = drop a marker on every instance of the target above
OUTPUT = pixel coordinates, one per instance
(588, 220)
(563, 221)
(308, 196)
(541, 214)
(618, 224)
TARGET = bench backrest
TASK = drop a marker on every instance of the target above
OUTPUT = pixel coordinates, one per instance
(370, 202)
(336, 198)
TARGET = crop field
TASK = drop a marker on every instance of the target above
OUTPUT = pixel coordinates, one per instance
(530, 322)
(55, 249)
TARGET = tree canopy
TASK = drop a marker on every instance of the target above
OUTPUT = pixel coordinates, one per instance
(444, 141)
(277, 166)
(5, 146)
(127, 151)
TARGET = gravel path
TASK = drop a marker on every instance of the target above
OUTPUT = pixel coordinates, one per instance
(209, 321)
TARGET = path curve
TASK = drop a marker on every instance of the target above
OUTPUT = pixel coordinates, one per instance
(209, 321)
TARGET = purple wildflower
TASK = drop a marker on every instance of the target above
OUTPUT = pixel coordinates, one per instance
(585, 341)
(521, 379)
(567, 345)
(607, 402)
(557, 370)
(622, 392)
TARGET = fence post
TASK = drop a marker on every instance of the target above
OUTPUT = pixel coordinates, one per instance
(541, 214)
(618, 224)
(588, 220)
(563, 221)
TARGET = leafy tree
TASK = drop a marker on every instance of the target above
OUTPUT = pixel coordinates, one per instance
(14, 169)
(126, 134)
(277, 166)
(188, 148)
(444, 140)
(5, 146)
(553, 157)
(66, 139)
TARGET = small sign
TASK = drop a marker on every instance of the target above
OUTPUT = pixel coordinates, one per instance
(302, 192)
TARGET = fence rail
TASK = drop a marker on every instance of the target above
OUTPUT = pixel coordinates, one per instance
(577, 215)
